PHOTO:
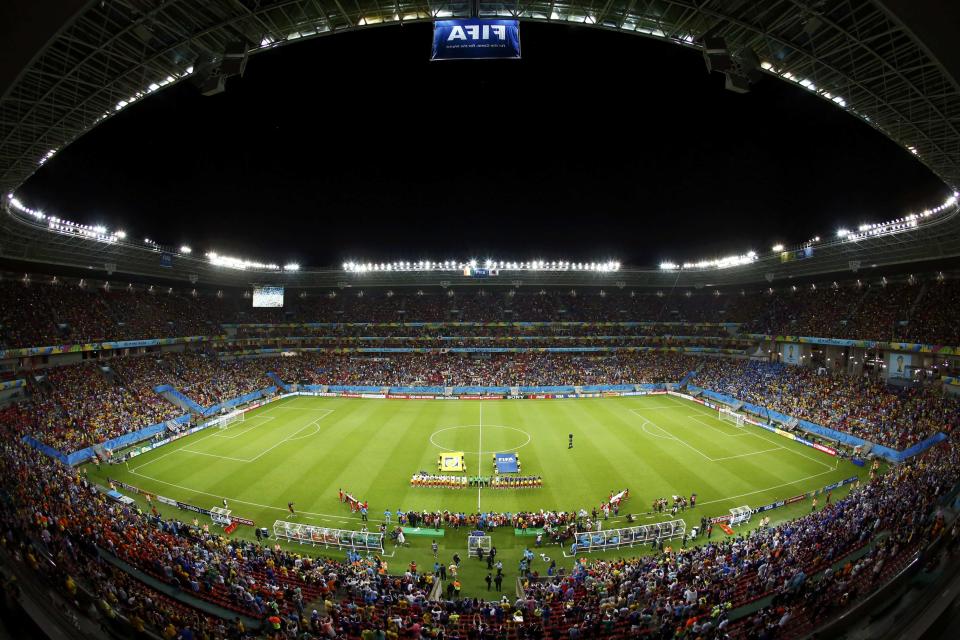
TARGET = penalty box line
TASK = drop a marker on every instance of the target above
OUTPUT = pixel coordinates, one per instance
(743, 432)
(318, 516)
(232, 428)
(741, 495)
(672, 436)
(753, 433)
(290, 437)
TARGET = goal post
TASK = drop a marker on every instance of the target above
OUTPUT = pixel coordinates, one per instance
(731, 416)
(477, 543)
(221, 516)
(740, 515)
(231, 418)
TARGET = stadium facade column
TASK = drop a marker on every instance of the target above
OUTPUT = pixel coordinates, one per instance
(855, 361)
(835, 357)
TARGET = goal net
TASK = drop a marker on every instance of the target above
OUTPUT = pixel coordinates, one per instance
(476, 543)
(729, 416)
(740, 515)
(231, 418)
(220, 516)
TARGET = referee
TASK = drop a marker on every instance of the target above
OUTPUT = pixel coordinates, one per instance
(570, 445)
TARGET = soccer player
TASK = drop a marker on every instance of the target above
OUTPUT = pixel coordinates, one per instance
(570, 445)
(290, 507)
(435, 548)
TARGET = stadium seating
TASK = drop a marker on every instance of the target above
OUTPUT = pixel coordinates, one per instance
(645, 596)
(80, 405)
(805, 566)
(860, 406)
(36, 312)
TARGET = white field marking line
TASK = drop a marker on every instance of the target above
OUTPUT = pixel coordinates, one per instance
(779, 486)
(744, 455)
(715, 427)
(658, 406)
(170, 453)
(231, 429)
(744, 495)
(287, 439)
(667, 436)
(327, 516)
(757, 435)
(213, 455)
(468, 426)
(480, 453)
(282, 402)
(672, 436)
(316, 430)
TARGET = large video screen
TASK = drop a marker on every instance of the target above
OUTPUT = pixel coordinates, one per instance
(268, 296)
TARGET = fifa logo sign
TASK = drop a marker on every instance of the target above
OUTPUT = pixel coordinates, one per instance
(475, 39)
(478, 32)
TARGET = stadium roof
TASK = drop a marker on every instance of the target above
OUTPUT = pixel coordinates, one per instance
(856, 54)
(925, 246)
(115, 53)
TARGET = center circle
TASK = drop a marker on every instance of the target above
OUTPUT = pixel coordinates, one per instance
(436, 437)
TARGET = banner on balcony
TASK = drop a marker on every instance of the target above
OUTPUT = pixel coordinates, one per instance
(898, 365)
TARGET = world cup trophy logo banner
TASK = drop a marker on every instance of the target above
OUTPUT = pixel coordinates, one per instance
(451, 461)
(473, 39)
(899, 365)
(790, 353)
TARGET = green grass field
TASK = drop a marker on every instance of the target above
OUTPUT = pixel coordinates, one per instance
(304, 449)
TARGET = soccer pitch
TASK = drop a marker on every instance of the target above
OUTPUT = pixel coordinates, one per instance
(303, 449)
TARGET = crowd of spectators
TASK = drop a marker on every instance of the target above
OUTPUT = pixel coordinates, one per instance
(247, 338)
(681, 591)
(661, 595)
(77, 406)
(49, 509)
(865, 407)
(436, 331)
(35, 314)
(208, 380)
(499, 369)
(38, 312)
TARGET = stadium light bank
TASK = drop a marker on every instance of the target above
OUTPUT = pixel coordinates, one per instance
(473, 264)
(715, 263)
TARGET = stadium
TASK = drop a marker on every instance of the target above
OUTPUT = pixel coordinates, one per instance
(283, 358)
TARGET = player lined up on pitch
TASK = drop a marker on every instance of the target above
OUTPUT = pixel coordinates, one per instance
(680, 503)
(422, 479)
(464, 482)
(516, 482)
(356, 506)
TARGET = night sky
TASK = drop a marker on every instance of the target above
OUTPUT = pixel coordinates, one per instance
(596, 145)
